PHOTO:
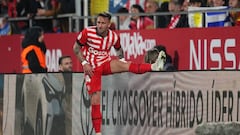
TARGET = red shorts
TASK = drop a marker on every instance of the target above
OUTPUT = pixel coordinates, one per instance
(94, 83)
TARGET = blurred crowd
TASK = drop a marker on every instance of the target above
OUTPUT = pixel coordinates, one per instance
(46, 8)
(31, 9)
(173, 20)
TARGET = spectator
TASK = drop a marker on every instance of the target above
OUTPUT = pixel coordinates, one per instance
(24, 9)
(196, 3)
(65, 64)
(163, 20)
(151, 6)
(33, 53)
(177, 20)
(49, 8)
(12, 12)
(164, 7)
(7, 28)
(139, 22)
(54, 7)
(209, 3)
(218, 3)
(32, 8)
(3, 7)
(185, 5)
(124, 20)
(65, 7)
(235, 15)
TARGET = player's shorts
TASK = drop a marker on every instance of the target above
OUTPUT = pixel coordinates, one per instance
(94, 83)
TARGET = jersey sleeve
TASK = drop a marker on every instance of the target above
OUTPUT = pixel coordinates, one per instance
(117, 45)
(82, 37)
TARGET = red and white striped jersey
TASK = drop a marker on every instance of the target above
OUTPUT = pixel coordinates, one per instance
(96, 49)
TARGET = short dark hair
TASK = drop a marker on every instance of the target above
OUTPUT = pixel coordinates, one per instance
(61, 58)
(33, 33)
(194, 1)
(31, 36)
(160, 48)
(178, 2)
(138, 7)
(105, 14)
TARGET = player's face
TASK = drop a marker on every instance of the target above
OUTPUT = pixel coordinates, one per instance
(103, 24)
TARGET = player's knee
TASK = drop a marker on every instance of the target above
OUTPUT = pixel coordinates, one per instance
(95, 98)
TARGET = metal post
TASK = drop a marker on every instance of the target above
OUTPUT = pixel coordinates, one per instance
(78, 13)
(85, 12)
(70, 24)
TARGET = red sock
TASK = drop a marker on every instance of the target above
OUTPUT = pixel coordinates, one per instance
(96, 118)
(140, 68)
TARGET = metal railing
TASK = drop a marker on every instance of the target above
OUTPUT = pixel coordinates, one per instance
(75, 25)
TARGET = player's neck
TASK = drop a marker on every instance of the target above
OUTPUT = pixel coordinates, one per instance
(103, 34)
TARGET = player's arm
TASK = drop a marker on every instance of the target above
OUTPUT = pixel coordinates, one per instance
(79, 43)
(118, 48)
(77, 51)
(86, 66)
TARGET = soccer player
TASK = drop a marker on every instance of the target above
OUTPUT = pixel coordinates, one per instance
(92, 48)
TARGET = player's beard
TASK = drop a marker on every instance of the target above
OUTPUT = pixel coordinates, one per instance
(102, 32)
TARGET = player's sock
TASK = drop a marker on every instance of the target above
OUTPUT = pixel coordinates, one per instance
(139, 68)
(96, 118)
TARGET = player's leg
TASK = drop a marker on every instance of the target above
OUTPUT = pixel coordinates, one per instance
(96, 111)
(118, 66)
(94, 90)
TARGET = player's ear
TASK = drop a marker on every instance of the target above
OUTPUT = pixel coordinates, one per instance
(109, 25)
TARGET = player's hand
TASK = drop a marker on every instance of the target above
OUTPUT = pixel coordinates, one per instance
(88, 70)
(41, 12)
